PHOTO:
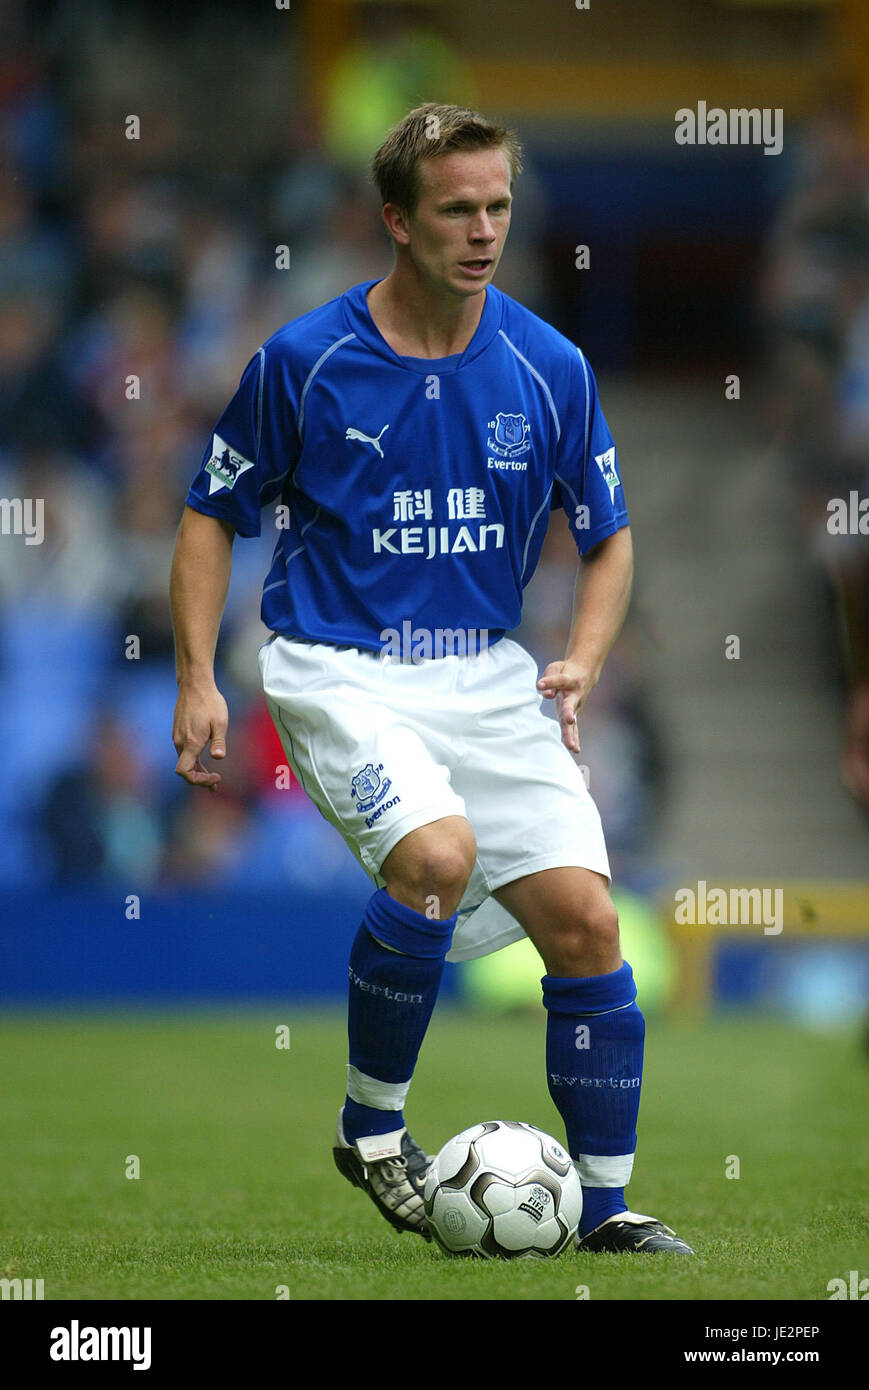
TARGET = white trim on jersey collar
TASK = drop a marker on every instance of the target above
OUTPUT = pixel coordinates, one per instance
(537, 377)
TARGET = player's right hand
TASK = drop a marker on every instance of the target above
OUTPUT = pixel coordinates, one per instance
(201, 720)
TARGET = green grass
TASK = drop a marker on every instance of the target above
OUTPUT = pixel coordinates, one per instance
(238, 1193)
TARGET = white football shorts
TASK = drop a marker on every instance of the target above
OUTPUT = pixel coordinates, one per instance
(383, 746)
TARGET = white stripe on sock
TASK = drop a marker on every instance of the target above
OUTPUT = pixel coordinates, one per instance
(380, 1095)
(609, 1170)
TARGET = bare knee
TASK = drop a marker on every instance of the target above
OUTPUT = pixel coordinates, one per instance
(585, 942)
(429, 869)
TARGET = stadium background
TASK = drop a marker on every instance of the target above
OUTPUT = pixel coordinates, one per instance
(154, 259)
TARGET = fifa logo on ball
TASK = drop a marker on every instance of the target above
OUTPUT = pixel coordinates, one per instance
(537, 1202)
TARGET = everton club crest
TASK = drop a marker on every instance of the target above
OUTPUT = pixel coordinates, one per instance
(368, 787)
(510, 435)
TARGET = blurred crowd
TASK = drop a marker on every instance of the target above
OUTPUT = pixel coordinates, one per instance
(815, 300)
(135, 284)
(133, 290)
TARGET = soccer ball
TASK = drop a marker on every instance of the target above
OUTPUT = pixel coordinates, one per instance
(505, 1189)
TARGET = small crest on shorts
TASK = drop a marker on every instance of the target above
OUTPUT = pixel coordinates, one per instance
(368, 787)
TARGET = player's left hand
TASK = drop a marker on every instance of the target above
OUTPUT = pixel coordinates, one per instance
(568, 684)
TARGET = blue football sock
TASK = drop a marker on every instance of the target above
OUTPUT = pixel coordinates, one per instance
(396, 965)
(594, 1063)
(597, 1204)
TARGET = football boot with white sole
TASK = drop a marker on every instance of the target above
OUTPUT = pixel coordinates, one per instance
(392, 1169)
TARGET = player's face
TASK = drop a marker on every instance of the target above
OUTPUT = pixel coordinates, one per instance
(456, 233)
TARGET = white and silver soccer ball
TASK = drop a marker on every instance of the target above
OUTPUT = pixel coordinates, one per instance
(503, 1189)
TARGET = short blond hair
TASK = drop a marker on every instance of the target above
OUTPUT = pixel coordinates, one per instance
(428, 131)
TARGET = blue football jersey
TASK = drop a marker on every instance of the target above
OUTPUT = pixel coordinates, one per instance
(409, 490)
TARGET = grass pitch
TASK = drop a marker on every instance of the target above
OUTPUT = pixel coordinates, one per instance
(238, 1197)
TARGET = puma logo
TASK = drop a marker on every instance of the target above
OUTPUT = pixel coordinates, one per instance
(366, 438)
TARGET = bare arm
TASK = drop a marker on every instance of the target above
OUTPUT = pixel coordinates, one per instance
(201, 568)
(600, 602)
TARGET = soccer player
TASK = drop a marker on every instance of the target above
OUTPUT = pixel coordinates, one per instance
(419, 429)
